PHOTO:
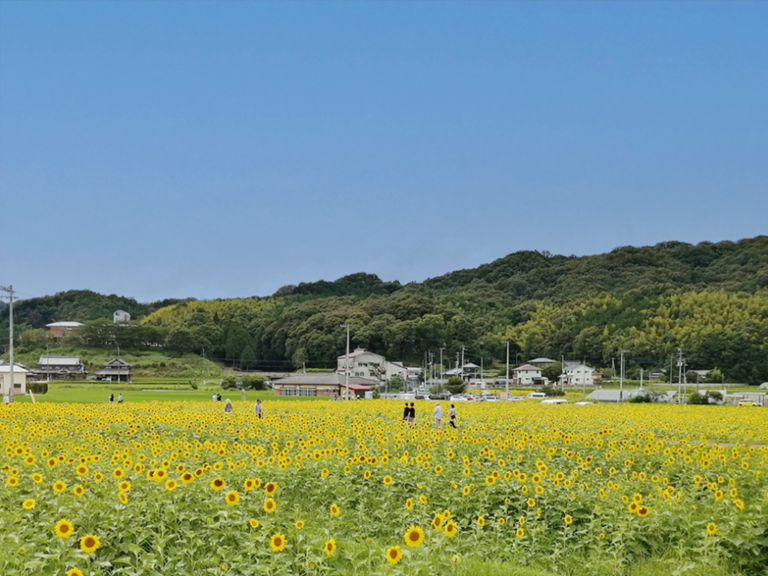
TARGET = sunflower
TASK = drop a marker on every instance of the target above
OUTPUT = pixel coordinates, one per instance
(394, 555)
(81, 470)
(520, 533)
(63, 529)
(367, 475)
(117, 473)
(531, 503)
(335, 510)
(437, 521)
(124, 486)
(643, 511)
(711, 528)
(490, 480)
(89, 543)
(78, 490)
(59, 486)
(37, 478)
(481, 521)
(387, 480)
(218, 484)
(568, 519)
(74, 572)
(270, 488)
(248, 485)
(330, 547)
(423, 499)
(414, 536)
(187, 478)
(299, 524)
(466, 490)
(254, 523)
(277, 542)
(324, 473)
(28, 504)
(269, 505)
(451, 529)
(123, 497)
(409, 504)
(171, 485)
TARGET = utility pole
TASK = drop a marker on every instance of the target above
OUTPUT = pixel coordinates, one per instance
(507, 377)
(462, 363)
(10, 315)
(680, 375)
(641, 378)
(441, 365)
(621, 379)
(346, 365)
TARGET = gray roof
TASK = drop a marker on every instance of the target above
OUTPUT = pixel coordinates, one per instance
(59, 361)
(527, 367)
(117, 363)
(613, 395)
(324, 379)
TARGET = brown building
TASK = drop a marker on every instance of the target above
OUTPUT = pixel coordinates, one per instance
(59, 368)
(322, 384)
(116, 370)
(59, 329)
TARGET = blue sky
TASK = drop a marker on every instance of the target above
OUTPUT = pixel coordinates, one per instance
(221, 149)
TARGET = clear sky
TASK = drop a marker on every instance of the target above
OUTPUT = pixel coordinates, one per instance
(220, 149)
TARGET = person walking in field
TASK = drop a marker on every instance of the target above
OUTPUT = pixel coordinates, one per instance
(406, 413)
(412, 415)
(112, 398)
(452, 416)
(228, 406)
(257, 409)
(438, 415)
(120, 398)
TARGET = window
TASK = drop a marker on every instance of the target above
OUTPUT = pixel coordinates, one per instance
(289, 392)
(307, 391)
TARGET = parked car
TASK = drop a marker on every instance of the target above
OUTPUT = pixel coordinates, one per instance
(555, 401)
(585, 403)
(515, 399)
(536, 395)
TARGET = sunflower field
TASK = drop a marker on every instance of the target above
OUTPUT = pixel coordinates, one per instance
(332, 488)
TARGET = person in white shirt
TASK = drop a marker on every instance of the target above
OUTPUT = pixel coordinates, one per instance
(257, 409)
(438, 415)
(452, 416)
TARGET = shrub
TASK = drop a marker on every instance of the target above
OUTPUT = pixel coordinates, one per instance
(455, 385)
(37, 387)
(553, 391)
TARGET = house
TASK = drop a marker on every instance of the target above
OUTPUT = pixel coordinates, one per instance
(699, 375)
(363, 364)
(323, 384)
(19, 378)
(576, 374)
(396, 369)
(468, 371)
(115, 370)
(59, 329)
(541, 362)
(120, 316)
(59, 368)
(527, 375)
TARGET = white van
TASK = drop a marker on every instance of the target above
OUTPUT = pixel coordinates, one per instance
(536, 395)
(555, 401)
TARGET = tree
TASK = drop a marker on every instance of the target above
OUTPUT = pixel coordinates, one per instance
(237, 339)
(248, 357)
(553, 371)
(456, 385)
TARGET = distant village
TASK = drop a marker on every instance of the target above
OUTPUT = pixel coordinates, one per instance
(358, 375)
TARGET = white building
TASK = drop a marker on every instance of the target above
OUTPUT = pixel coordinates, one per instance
(577, 375)
(396, 369)
(363, 364)
(527, 375)
(19, 378)
(121, 316)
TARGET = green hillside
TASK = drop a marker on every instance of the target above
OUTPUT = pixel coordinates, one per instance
(711, 299)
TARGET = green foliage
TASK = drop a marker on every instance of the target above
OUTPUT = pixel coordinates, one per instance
(553, 391)
(359, 284)
(456, 385)
(553, 371)
(396, 383)
(708, 397)
(37, 387)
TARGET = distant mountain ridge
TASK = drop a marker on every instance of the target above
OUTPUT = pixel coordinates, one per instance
(709, 298)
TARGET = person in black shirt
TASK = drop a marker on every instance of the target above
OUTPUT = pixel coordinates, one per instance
(406, 412)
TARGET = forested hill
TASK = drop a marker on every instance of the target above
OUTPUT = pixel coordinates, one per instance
(77, 306)
(731, 266)
(710, 299)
